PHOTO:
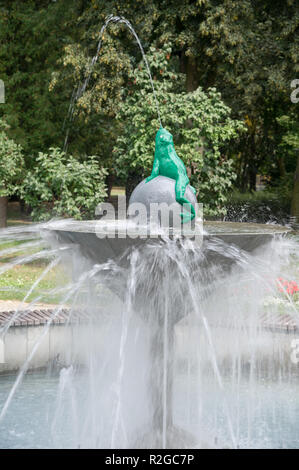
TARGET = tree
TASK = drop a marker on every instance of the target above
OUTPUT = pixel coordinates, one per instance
(247, 50)
(32, 36)
(295, 198)
(61, 186)
(202, 145)
(290, 144)
(11, 167)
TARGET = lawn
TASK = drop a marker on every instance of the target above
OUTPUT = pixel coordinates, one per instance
(16, 282)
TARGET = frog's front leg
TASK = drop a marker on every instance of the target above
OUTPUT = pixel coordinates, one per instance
(155, 171)
(180, 188)
(193, 189)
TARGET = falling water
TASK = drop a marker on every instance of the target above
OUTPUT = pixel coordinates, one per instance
(77, 93)
(165, 316)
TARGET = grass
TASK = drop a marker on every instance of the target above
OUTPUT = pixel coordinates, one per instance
(118, 191)
(15, 283)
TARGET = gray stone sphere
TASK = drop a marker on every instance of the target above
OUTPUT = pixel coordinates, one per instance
(159, 190)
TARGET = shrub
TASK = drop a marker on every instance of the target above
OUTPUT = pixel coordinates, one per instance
(11, 163)
(62, 186)
(199, 121)
(268, 206)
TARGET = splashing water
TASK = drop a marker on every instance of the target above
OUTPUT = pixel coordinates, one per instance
(165, 316)
(77, 93)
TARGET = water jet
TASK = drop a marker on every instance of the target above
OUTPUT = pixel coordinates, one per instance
(173, 350)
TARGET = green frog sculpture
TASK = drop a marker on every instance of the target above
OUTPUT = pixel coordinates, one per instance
(168, 163)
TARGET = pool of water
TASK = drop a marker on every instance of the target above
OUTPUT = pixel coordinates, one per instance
(28, 421)
(264, 414)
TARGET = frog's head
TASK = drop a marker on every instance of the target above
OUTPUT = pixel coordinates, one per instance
(163, 138)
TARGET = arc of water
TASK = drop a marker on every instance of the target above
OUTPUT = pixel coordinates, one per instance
(18, 311)
(243, 258)
(39, 298)
(185, 274)
(16, 249)
(81, 88)
(117, 417)
(73, 293)
(165, 371)
(33, 257)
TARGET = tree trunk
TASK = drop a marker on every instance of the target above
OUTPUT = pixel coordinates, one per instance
(295, 198)
(188, 66)
(281, 166)
(252, 164)
(244, 174)
(192, 75)
(109, 183)
(252, 178)
(3, 211)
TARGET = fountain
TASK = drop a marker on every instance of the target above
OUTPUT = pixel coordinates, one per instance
(154, 358)
(224, 244)
(152, 344)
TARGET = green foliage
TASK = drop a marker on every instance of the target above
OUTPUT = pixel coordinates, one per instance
(290, 145)
(199, 121)
(246, 50)
(11, 163)
(60, 185)
(290, 137)
(33, 34)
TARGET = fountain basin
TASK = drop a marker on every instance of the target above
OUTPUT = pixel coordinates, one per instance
(220, 245)
(95, 241)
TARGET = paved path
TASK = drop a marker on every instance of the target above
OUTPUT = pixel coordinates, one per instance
(8, 305)
(40, 313)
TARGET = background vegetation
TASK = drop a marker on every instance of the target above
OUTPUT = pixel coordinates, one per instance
(222, 71)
